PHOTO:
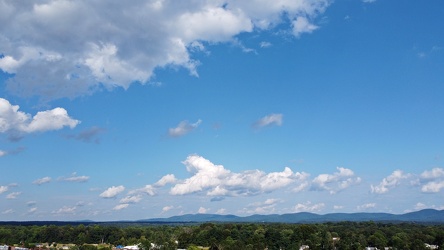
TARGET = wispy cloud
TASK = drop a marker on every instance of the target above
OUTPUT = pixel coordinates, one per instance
(269, 120)
(13, 195)
(183, 128)
(75, 178)
(42, 181)
(88, 135)
(308, 207)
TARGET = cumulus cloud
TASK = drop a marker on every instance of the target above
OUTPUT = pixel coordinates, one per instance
(308, 207)
(266, 207)
(148, 189)
(303, 25)
(15, 123)
(215, 180)
(167, 208)
(88, 45)
(3, 189)
(203, 210)
(432, 181)
(167, 179)
(112, 191)
(183, 128)
(389, 182)
(42, 181)
(336, 182)
(269, 120)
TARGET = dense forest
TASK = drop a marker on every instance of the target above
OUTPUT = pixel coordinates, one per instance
(343, 235)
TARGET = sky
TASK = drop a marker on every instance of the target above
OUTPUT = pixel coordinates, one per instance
(127, 110)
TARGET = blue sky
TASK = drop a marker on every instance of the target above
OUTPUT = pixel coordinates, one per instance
(120, 110)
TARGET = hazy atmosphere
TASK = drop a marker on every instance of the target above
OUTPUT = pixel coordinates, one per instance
(122, 110)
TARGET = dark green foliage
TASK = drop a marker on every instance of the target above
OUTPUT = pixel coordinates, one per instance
(217, 236)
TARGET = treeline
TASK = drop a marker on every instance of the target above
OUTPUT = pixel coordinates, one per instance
(226, 236)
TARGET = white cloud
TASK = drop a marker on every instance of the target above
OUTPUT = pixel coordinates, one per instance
(42, 180)
(16, 123)
(303, 25)
(167, 208)
(308, 207)
(32, 210)
(65, 210)
(272, 119)
(215, 180)
(131, 199)
(13, 195)
(112, 191)
(148, 189)
(120, 206)
(183, 128)
(366, 206)
(336, 207)
(75, 178)
(265, 44)
(368, 1)
(92, 45)
(167, 179)
(2, 153)
(8, 211)
(203, 210)
(336, 182)
(432, 181)
(390, 181)
(3, 189)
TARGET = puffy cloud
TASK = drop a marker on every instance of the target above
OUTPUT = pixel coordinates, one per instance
(167, 208)
(303, 25)
(3, 189)
(203, 210)
(131, 199)
(432, 181)
(308, 207)
(390, 181)
(91, 45)
(112, 191)
(335, 182)
(16, 123)
(120, 207)
(273, 119)
(215, 180)
(183, 128)
(13, 195)
(42, 180)
(167, 179)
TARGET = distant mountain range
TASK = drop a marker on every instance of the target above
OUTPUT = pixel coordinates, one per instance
(423, 216)
(426, 216)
